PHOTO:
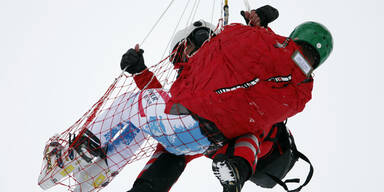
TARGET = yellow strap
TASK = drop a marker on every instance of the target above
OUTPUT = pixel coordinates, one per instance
(226, 12)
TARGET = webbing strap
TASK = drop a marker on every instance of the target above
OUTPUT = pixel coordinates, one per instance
(295, 153)
(311, 170)
(284, 183)
(277, 126)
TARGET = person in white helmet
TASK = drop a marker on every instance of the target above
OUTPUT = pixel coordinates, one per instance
(164, 168)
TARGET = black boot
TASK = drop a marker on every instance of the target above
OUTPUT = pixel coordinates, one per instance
(88, 146)
(232, 172)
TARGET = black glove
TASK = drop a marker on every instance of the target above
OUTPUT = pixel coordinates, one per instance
(266, 13)
(133, 62)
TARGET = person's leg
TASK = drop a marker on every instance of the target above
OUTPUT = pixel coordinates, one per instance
(179, 134)
(116, 135)
(160, 173)
(124, 126)
(110, 138)
(236, 163)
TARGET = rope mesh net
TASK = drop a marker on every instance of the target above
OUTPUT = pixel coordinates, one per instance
(125, 125)
(110, 135)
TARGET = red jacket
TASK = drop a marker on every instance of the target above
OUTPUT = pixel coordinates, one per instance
(242, 82)
(144, 78)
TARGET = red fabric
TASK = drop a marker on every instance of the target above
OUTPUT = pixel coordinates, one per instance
(142, 80)
(144, 77)
(246, 151)
(237, 55)
(265, 147)
(240, 54)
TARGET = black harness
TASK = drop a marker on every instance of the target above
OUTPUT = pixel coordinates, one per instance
(273, 167)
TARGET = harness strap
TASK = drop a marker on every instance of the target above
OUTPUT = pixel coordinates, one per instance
(284, 183)
(276, 126)
(295, 153)
(214, 135)
(311, 170)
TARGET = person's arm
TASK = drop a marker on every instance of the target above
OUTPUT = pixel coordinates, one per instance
(146, 80)
(133, 63)
(261, 16)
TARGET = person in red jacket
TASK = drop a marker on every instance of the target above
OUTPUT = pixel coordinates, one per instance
(242, 150)
(274, 84)
(263, 78)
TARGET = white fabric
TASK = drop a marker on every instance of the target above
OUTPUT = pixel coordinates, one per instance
(124, 129)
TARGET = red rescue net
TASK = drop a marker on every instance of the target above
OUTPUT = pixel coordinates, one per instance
(124, 126)
(94, 149)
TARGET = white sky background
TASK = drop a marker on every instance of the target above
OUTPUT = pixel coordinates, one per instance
(57, 58)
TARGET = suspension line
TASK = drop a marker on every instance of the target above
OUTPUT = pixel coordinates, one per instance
(157, 22)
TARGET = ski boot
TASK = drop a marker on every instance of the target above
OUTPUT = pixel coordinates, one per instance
(88, 146)
(231, 172)
(64, 159)
(97, 175)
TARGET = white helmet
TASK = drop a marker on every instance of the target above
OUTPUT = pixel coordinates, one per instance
(186, 32)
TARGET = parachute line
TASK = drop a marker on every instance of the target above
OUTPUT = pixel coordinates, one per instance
(193, 12)
(213, 10)
(247, 6)
(197, 6)
(175, 29)
(157, 22)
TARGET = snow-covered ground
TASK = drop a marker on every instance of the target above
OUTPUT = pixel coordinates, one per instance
(58, 57)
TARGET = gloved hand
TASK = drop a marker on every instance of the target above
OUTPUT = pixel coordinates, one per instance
(133, 61)
(261, 16)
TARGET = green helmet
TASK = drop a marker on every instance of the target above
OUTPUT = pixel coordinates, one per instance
(316, 35)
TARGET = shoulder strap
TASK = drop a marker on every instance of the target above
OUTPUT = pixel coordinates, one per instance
(295, 153)
(309, 176)
(278, 127)
(311, 170)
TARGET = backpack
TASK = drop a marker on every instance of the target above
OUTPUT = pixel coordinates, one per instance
(273, 167)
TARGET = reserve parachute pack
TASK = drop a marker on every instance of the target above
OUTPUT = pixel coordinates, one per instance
(273, 167)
